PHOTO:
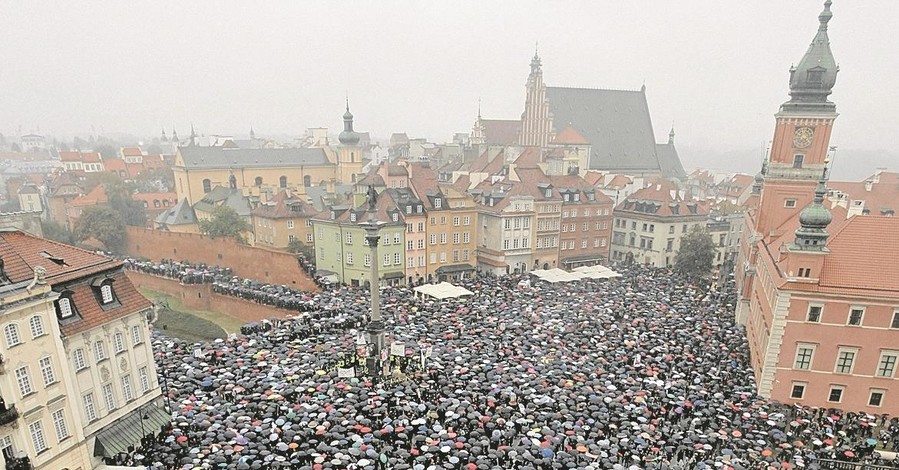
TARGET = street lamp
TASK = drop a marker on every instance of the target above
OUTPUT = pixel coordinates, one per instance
(375, 327)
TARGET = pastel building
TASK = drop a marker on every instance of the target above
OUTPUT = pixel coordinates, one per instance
(818, 291)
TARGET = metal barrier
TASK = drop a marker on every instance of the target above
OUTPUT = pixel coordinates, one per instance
(825, 464)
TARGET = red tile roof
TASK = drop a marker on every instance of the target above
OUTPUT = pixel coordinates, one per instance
(22, 252)
(569, 136)
(862, 255)
(94, 197)
(280, 207)
(883, 193)
(670, 201)
(131, 152)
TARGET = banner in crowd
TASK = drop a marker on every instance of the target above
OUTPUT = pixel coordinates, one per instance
(347, 373)
(397, 349)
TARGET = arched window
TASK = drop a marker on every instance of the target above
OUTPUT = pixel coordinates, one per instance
(11, 332)
(106, 293)
(282, 182)
(156, 203)
(258, 181)
(207, 185)
(307, 181)
(65, 307)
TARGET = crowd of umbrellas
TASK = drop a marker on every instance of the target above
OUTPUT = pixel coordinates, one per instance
(642, 371)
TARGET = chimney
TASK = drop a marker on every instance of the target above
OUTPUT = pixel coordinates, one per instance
(868, 185)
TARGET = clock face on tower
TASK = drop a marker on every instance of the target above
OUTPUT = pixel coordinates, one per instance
(802, 137)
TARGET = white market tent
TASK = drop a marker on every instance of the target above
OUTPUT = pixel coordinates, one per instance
(441, 291)
(557, 275)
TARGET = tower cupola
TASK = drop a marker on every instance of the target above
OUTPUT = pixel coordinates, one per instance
(814, 219)
(812, 80)
(348, 136)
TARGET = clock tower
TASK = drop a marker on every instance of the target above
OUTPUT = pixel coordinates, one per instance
(801, 141)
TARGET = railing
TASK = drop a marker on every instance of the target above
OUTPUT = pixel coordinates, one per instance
(825, 464)
(8, 415)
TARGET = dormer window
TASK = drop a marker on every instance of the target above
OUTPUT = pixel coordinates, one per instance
(438, 203)
(548, 192)
(104, 292)
(577, 197)
(65, 307)
(815, 75)
(333, 215)
(396, 217)
(591, 196)
(352, 216)
(418, 209)
(408, 209)
(565, 197)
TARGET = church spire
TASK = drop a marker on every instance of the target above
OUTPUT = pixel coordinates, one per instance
(348, 136)
(164, 137)
(812, 80)
(193, 136)
(671, 136)
(535, 62)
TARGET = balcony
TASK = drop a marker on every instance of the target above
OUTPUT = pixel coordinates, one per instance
(8, 414)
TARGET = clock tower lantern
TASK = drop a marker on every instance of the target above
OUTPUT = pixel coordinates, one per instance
(801, 143)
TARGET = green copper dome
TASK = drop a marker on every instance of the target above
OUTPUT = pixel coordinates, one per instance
(348, 136)
(815, 216)
(812, 80)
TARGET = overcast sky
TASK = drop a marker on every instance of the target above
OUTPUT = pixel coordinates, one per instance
(716, 69)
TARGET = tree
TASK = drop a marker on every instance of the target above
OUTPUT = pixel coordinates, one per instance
(697, 251)
(119, 194)
(728, 208)
(225, 223)
(104, 224)
(57, 232)
(296, 246)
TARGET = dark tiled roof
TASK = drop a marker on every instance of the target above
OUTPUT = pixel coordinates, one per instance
(179, 214)
(615, 122)
(218, 157)
(670, 162)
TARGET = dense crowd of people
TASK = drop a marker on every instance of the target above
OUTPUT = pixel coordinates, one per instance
(643, 371)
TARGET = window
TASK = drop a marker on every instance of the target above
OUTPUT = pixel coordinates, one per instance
(443, 238)
(59, 423)
(207, 185)
(438, 203)
(37, 436)
(814, 313)
(420, 244)
(456, 221)
(836, 394)
(443, 220)
(804, 354)
(466, 220)
(410, 262)
(386, 259)
(108, 397)
(875, 398)
(24, 380)
(100, 350)
(421, 226)
(127, 393)
(397, 240)
(895, 323)
(36, 323)
(798, 391)
(106, 294)
(321, 253)
(397, 259)
(395, 216)
(671, 229)
(290, 224)
(797, 160)
(410, 244)
(586, 226)
(309, 238)
(433, 239)
(349, 238)
(11, 332)
(506, 244)
(118, 342)
(421, 260)
(456, 238)
(887, 365)
(845, 360)
(855, 316)
(789, 203)
(258, 181)
(47, 370)
(443, 257)
(584, 243)
(466, 237)
(78, 359)
(282, 182)
(136, 335)
(90, 411)
(465, 255)
(349, 258)
(432, 258)
(366, 259)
